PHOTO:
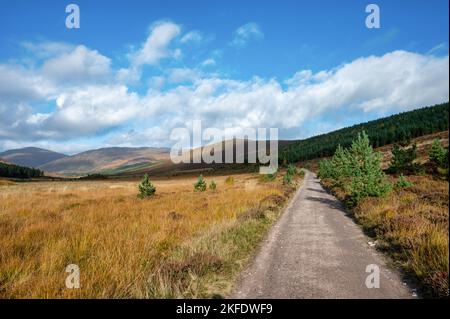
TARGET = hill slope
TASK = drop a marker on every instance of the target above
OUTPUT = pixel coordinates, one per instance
(105, 159)
(30, 156)
(194, 162)
(392, 129)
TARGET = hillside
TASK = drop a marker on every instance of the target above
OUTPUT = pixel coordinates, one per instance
(105, 160)
(30, 156)
(384, 131)
(196, 164)
(423, 144)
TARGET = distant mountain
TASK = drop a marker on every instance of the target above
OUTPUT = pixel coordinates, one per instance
(192, 161)
(106, 160)
(30, 156)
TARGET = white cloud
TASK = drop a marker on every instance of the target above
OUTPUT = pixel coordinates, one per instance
(154, 136)
(20, 84)
(209, 62)
(130, 75)
(192, 36)
(391, 83)
(156, 47)
(89, 109)
(79, 65)
(246, 33)
(47, 49)
(179, 75)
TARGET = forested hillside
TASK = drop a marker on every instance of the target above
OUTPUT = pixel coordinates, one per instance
(10, 170)
(396, 128)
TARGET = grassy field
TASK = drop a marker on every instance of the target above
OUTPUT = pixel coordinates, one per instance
(177, 244)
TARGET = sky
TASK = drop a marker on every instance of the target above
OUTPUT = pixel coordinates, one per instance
(135, 70)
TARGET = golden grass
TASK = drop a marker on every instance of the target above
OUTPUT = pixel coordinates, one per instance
(177, 244)
(412, 224)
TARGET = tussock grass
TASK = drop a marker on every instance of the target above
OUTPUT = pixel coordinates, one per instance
(176, 244)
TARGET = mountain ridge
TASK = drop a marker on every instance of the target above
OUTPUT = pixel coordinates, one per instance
(106, 158)
(30, 156)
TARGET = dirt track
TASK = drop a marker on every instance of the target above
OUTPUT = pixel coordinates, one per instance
(316, 251)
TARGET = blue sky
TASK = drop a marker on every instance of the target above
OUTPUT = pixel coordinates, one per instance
(135, 70)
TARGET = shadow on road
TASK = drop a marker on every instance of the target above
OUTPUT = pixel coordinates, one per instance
(317, 190)
(329, 202)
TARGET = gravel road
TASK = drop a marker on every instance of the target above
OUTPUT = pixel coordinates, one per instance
(316, 251)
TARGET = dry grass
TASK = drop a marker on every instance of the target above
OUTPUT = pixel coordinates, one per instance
(177, 244)
(411, 224)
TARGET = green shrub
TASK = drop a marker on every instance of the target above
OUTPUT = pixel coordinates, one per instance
(212, 185)
(229, 180)
(402, 182)
(200, 185)
(146, 188)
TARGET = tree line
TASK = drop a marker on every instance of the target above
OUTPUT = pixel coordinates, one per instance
(11, 170)
(399, 128)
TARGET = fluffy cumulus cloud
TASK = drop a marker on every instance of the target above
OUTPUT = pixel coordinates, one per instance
(393, 82)
(20, 84)
(80, 64)
(85, 97)
(90, 109)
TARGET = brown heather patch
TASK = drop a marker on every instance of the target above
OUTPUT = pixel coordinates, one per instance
(412, 224)
(177, 244)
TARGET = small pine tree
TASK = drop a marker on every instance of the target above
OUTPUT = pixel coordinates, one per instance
(212, 185)
(287, 179)
(367, 178)
(200, 185)
(301, 173)
(146, 188)
(357, 170)
(402, 159)
(291, 170)
(290, 173)
(438, 154)
(402, 182)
